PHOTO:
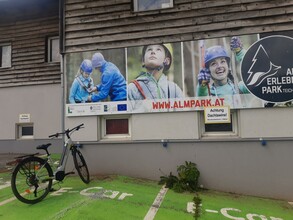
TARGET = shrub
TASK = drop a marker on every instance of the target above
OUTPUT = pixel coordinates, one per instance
(187, 179)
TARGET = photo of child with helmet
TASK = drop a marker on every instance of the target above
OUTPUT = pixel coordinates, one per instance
(113, 83)
(216, 78)
(82, 84)
(153, 83)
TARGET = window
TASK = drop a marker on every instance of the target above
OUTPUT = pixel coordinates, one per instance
(5, 55)
(114, 127)
(220, 129)
(147, 5)
(25, 131)
(53, 54)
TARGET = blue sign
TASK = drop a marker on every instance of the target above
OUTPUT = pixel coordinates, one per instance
(122, 107)
(267, 69)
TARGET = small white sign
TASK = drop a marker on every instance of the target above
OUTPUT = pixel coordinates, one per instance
(214, 115)
(24, 118)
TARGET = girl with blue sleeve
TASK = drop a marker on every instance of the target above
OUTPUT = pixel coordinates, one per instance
(82, 84)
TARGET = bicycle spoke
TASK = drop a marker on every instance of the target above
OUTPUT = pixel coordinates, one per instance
(81, 166)
(31, 180)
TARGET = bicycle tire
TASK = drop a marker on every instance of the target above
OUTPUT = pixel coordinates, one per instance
(81, 166)
(31, 180)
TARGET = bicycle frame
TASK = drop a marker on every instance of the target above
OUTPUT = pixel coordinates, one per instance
(64, 155)
(59, 172)
(33, 176)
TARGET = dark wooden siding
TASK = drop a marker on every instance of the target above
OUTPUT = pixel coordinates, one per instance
(28, 39)
(102, 24)
(27, 31)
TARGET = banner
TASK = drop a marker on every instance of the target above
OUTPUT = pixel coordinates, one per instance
(249, 71)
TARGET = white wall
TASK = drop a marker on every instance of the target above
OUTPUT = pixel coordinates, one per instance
(43, 103)
(269, 122)
(244, 167)
(90, 132)
(160, 126)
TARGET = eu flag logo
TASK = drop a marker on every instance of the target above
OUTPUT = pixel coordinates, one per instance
(122, 107)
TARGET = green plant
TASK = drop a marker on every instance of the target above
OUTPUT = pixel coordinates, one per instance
(187, 179)
(169, 181)
(197, 206)
(188, 176)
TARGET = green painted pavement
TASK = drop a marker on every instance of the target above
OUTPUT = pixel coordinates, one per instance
(119, 197)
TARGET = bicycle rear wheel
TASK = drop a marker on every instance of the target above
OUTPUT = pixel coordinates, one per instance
(31, 180)
(80, 165)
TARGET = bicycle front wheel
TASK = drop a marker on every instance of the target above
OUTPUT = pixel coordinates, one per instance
(31, 180)
(80, 165)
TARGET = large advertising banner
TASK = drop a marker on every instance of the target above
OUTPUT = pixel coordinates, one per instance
(248, 71)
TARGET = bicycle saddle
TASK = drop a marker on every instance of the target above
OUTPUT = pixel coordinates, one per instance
(44, 146)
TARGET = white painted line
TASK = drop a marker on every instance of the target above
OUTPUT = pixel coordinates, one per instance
(156, 204)
(7, 201)
(7, 184)
(212, 211)
(190, 207)
(10, 200)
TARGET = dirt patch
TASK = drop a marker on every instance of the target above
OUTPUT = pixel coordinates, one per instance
(7, 161)
(102, 177)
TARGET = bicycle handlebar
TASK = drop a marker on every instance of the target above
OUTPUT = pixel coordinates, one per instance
(67, 131)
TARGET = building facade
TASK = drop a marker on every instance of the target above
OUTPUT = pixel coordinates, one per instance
(30, 74)
(249, 154)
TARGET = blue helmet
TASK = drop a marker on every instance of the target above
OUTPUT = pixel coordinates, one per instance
(213, 53)
(98, 60)
(86, 66)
